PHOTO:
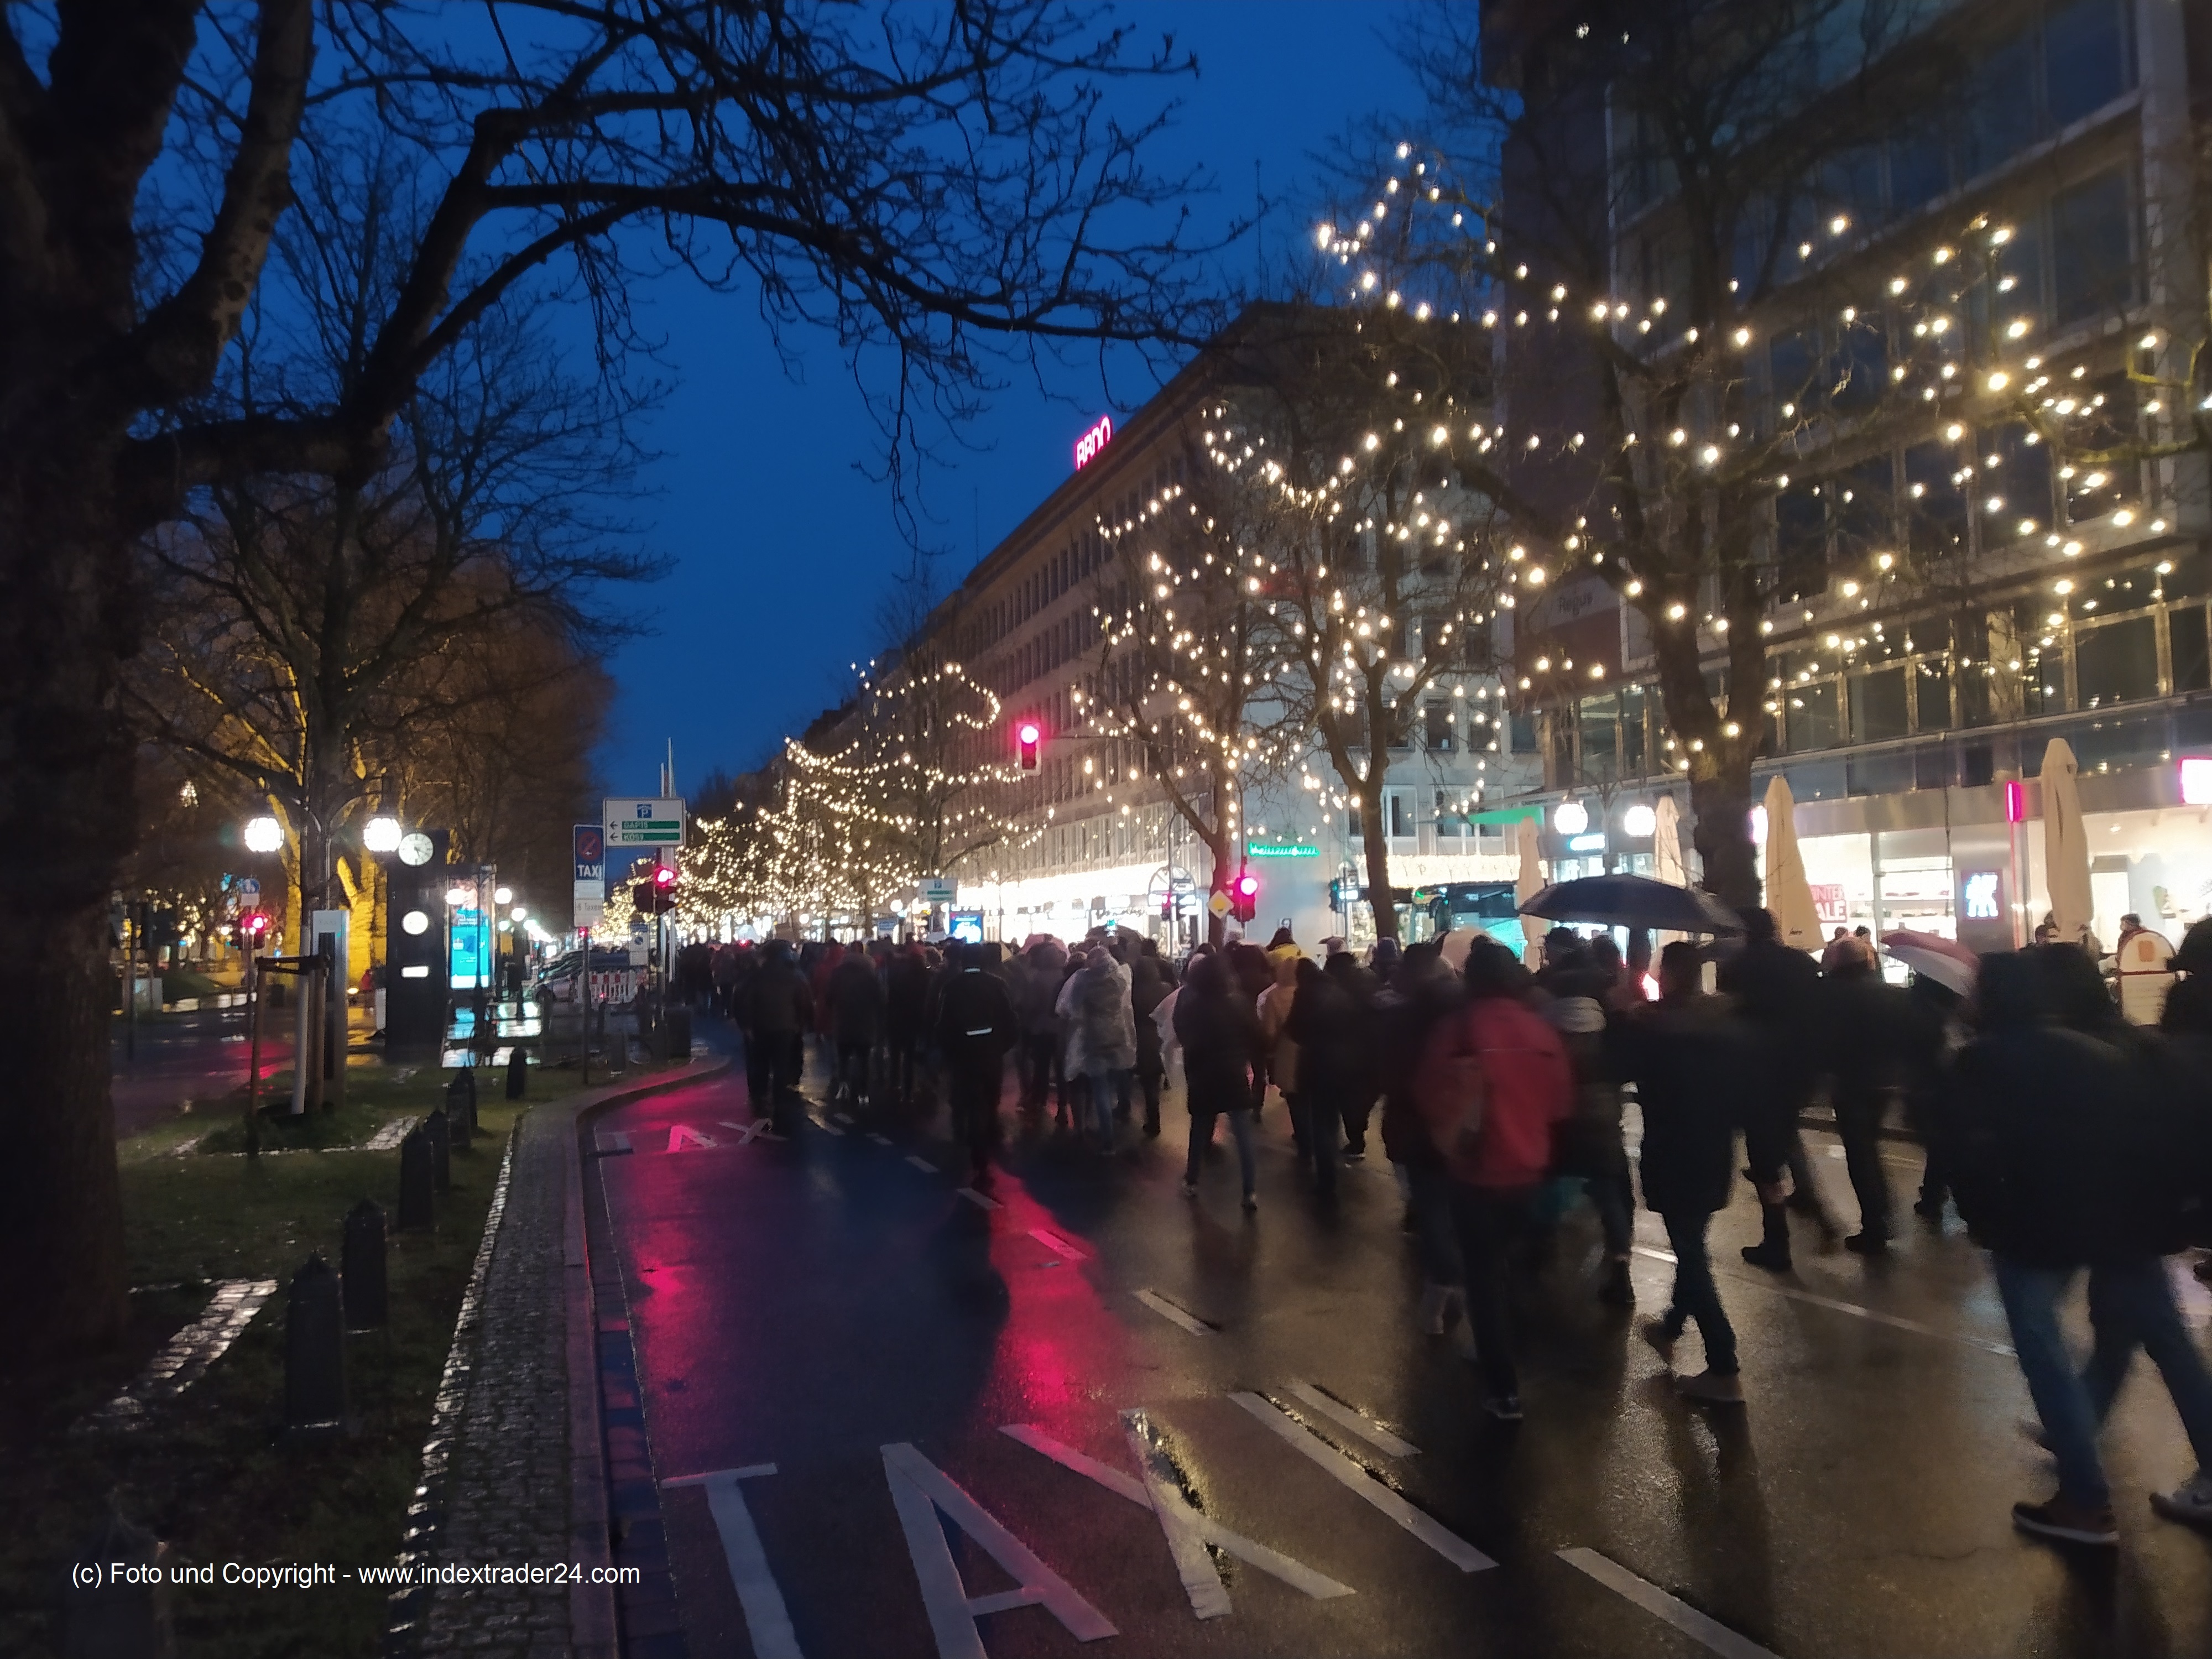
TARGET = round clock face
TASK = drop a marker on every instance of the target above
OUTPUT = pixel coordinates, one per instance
(416, 848)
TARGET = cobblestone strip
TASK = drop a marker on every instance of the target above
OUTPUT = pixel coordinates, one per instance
(184, 1358)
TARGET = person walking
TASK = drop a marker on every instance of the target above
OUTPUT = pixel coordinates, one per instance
(856, 1016)
(1572, 990)
(1363, 1081)
(1148, 988)
(1866, 1024)
(1219, 1036)
(777, 1010)
(1686, 1055)
(906, 996)
(1278, 1053)
(1102, 1042)
(2072, 1152)
(1493, 1086)
(1424, 994)
(1775, 990)
(975, 1027)
(1321, 1029)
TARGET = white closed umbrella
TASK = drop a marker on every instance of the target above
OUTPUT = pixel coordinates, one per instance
(1789, 893)
(2066, 846)
(1529, 882)
(1667, 844)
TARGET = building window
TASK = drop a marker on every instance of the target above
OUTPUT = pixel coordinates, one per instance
(2091, 247)
(1398, 807)
(1634, 758)
(2116, 662)
(1522, 733)
(1878, 705)
(1999, 117)
(1600, 746)
(2085, 59)
(1437, 725)
(1450, 821)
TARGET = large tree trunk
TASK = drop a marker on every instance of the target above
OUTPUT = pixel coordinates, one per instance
(1720, 795)
(67, 806)
(1374, 836)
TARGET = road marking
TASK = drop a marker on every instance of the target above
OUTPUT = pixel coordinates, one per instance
(921, 1163)
(1424, 1526)
(839, 1118)
(827, 1128)
(981, 1200)
(1358, 1422)
(768, 1622)
(1061, 1243)
(919, 1491)
(1894, 1321)
(681, 1135)
(614, 1141)
(1295, 1574)
(1176, 1316)
(749, 1132)
(1709, 1633)
(880, 1140)
(1201, 1579)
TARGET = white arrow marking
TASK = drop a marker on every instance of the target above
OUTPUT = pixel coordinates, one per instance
(1445, 1542)
(919, 1490)
(681, 1135)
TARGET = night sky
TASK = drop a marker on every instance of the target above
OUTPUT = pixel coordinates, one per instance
(782, 548)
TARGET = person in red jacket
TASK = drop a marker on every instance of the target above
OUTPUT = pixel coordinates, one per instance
(1494, 1082)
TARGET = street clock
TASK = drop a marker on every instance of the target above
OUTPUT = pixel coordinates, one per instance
(416, 848)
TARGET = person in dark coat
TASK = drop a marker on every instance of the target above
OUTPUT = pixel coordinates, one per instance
(2067, 1152)
(1687, 1057)
(1424, 994)
(856, 1016)
(1934, 1016)
(1148, 988)
(1324, 1023)
(1251, 972)
(1776, 991)
(1219, 1034)
(906, 992)
(1865, 1026)
(1364, 1087)
(1573, 992)
(776, 1010)
(975, 1028)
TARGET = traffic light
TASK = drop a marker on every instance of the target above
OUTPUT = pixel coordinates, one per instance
(658, 896)
(1027, 736)
(252, 928)
(1244, 895)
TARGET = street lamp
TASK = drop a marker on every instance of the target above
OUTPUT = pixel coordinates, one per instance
(264, 835)
(520, 911)
(502, 894)
(381, 834)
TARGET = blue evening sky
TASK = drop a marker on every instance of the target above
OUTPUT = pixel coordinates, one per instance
(783, 548)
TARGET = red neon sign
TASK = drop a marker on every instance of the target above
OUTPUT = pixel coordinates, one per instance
(1088, 445)
(2015, 802)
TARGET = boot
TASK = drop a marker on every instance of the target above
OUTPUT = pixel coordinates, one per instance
(1772, 1251)
(1615, 1288)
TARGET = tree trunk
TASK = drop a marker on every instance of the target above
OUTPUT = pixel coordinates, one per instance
(1720, 795)
(67, 805)
(1376, 836)
(1217, 871)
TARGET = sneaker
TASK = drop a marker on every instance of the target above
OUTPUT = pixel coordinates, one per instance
(1615, 1289)
(2069, 1522)
(2191, 1501)
(1505, 1407)
(1773, 1259)
(1251, 1202)
(1711, 1387)
(1660, 1340)
(1868, 1243)
(1190, 1189)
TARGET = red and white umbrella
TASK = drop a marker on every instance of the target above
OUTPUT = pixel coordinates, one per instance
(1945, 961)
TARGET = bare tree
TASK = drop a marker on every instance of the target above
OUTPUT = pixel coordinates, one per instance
(936, 187)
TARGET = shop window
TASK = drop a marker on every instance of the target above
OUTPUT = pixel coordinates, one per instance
(2113, 745)
(1398, 811)
(1998, 120)
(2116, 662)
(2092, 247)
(1878, 774)
(2192, 665)
(1450, 821)
(1559, 728)
(1878, 706)
(1809, 715)
(2085, 59)
(1931, 768)
(1600, 744)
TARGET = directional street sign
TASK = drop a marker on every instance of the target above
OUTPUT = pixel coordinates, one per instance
(632, 821)
(939, 890)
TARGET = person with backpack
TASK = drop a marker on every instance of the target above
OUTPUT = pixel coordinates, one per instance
(1493, 1087)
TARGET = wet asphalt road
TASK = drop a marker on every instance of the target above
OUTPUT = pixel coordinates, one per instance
(182, 1060)
(808, 1304)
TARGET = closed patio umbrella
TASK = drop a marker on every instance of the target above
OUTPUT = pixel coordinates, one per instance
(1529, 882)
(1666, 864)
(1789, 894)
(2066, 849)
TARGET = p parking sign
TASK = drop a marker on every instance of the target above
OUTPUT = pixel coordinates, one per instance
(632, 821)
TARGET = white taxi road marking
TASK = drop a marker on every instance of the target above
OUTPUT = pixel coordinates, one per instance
(1709, 1633)
(1295, 1574)
(1348, 1416)
(1424, 1526)
(1894, 1321)
(749, 1132)
(1174, 1315)
(768, 1622)
(920, 1492)
(681, 1135)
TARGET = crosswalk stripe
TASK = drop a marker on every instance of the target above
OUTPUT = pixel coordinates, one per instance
(1358, 1422)
(922, 1164)
(1834, 1304)
(1707, 1632)
(1424, 1526)
(981, 1200)
(1060, 1242)
(1174, 1315)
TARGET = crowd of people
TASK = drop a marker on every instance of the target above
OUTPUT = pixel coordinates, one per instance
(2071, 1139)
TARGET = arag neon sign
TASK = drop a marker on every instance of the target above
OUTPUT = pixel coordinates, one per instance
(1091, 442)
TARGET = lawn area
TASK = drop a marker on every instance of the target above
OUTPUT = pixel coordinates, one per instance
(210, 1473)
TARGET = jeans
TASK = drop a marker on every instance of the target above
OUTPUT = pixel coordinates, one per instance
(1858, 1121)
(2132, 1307)
(1488, 1220)
(1696, 1296)
(1240, 1131)
(1040, 1058)
(1318, 1117)
(1429, 1190)
(975, 1080)
(2031, 1297)
(1106, 1083)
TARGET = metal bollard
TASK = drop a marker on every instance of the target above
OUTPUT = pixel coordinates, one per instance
(416, 1183)
(367, 1303)
(518, 1074)
(102, 1619)
(439, 1133)
(314, 1351)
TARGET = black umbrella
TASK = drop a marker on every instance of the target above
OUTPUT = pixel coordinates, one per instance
(1634, 901)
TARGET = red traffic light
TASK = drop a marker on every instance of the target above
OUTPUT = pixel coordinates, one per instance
(1248, 887)
(1244, 895)
(1027, 736)
(664, 876)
